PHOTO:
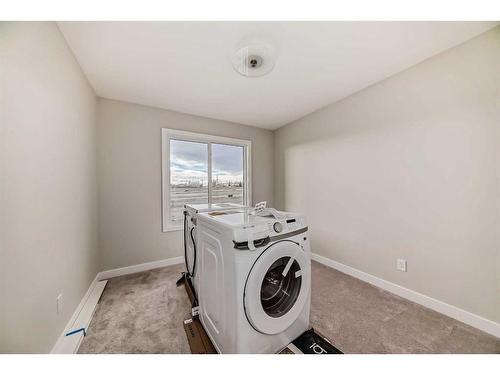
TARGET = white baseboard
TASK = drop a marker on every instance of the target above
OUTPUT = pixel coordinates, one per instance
(454, 312)
(63, 345)
(80, 319)
(139, 268)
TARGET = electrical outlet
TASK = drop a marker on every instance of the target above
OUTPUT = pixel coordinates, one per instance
(59, 301)
(401, 265)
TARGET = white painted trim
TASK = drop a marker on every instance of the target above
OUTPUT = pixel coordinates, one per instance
(139, 268)
(80, 319)
(204, 137)
(444, 308)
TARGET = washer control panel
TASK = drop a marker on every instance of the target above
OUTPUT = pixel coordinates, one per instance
(285, 225)
(294, 224)
(269, 227)
(278, 227)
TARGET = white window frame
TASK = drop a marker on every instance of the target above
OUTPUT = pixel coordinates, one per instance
(180, 135)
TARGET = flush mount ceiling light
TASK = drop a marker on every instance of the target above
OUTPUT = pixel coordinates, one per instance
(254, 58)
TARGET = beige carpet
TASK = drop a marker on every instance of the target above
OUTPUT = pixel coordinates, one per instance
(143, 313)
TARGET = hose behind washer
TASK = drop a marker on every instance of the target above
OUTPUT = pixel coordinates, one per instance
(189, 272)
(194, 251)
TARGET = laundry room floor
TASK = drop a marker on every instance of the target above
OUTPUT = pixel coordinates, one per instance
(143, 313)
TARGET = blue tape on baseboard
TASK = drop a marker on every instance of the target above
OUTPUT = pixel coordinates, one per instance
(76, 331)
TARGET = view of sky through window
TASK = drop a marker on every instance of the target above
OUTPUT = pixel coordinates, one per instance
(227, 164)
(189, 175)
(188, 163)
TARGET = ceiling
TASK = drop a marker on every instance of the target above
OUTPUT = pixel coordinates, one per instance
(186, 66)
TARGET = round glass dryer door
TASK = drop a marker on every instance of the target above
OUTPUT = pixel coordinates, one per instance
(279, 293)
(277, 287)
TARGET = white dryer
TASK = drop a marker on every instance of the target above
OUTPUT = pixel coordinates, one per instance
(254, 280)
(190, 235)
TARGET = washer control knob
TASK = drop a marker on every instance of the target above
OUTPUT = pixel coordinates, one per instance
(278, 227)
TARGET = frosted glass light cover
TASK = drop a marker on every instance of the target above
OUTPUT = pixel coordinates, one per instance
(254, 59)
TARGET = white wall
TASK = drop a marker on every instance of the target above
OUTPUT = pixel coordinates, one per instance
(408, 168)
(129, 175)
(48, 195)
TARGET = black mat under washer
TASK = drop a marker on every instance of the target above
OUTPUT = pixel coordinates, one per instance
(312, 343)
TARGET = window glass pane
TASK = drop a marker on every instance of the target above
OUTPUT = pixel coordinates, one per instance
(188, 176)
(227, 173)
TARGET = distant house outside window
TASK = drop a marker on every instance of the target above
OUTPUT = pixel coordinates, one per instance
(199, 168)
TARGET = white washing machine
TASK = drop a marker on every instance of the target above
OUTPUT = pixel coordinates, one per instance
(254, 280)
(190, 239)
